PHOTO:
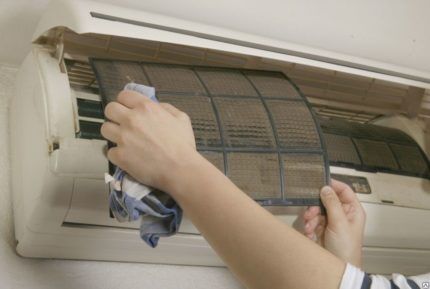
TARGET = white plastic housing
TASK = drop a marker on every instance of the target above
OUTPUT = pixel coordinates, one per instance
(60, 199)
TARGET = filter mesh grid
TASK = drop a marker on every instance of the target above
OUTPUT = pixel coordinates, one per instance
(294, 124)
(341, 149)
(217, 159)
(174, 79)
(304, 174)
(222, 82)
(376, 154)
(251, 117)
(255, 174)
(374, 148)
(117, 74)
(273, 85)
(410, 159)
(245, 123)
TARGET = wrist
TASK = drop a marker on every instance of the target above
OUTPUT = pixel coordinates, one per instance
(184, 173)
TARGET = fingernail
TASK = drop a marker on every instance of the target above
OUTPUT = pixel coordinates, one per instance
(314, 237)
(326, 191)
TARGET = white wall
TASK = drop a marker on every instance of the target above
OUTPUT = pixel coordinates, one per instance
(17, 272)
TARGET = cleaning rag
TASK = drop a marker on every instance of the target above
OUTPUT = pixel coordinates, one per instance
(130, 200)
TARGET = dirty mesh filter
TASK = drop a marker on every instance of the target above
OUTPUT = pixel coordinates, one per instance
(174, 79)
(273, 84)
(380, 148)
(294, 124)
(216, 158)
(252, 125)
(226, 82)
(376, 154)
(199, 109)
(336, 126)
(245, 123)
(303, 175)
(341, 149)
(117, 74)
(365, 131)
(410, 159)
(256, 174)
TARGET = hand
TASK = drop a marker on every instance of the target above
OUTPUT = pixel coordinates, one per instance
(154, 141)
(341, 231)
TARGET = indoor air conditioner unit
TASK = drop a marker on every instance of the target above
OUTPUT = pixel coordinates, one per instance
(60, 198)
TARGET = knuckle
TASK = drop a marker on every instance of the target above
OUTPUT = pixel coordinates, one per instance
(131, 119)
(111, 155)
(122, 95)
(109, 109)
(104, 128)
(117, 156)
(150, 105)
(123, 138)
(121, 156)
(145, 106)
(184, 116)
(330, 198)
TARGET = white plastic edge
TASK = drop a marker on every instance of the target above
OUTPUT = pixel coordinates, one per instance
(76, 15)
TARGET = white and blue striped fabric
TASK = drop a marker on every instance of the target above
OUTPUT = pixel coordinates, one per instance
(354, 278)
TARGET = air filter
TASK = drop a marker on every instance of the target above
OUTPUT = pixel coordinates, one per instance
(371, 147)
(254, 126)
(376, 154)
(341, 150)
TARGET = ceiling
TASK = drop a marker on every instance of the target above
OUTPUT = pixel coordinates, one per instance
(393, 31)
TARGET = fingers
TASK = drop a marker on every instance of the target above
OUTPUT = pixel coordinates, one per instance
(110, 131)
(311, 213)
(312, 219)
(132, 99)
(345, 193)
(114, 156)
(352, 205)
(299, 223)
(116, 112)
(310, 226)
(335, 213)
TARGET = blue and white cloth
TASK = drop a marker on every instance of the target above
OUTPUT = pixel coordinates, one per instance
(130, 200)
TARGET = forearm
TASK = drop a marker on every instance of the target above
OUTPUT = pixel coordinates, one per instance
(261, 250)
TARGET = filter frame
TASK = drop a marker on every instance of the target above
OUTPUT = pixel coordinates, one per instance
(321, 151)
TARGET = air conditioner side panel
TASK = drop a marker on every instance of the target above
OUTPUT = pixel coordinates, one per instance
(29, 147)
(40, 197)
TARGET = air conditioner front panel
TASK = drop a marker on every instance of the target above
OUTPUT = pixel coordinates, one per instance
(85, 17)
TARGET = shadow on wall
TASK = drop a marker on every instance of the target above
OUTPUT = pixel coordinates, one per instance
(22, 273)
(7, 78)
(426, 185)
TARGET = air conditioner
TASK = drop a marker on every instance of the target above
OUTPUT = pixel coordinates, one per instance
(60, 202)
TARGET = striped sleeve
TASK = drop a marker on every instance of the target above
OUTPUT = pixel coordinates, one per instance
(354, 278)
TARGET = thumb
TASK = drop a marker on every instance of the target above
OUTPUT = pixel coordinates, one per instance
(335, 213)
